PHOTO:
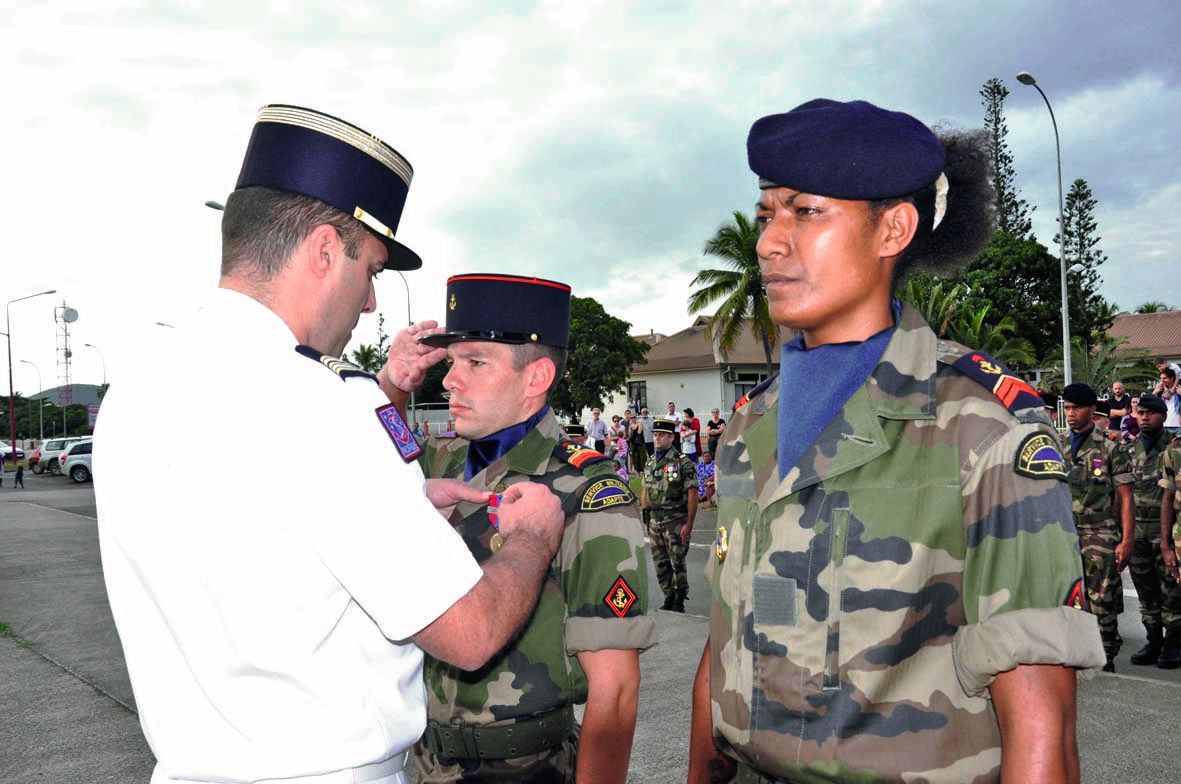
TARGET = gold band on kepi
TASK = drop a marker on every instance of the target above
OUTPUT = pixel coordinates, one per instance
(315, 154)
(664, 425)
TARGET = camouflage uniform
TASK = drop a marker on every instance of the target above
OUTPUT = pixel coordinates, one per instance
(1160, 596)
(667, 483)
(595, 598)
(1170, 463)
(863, 604)
(1098, 466)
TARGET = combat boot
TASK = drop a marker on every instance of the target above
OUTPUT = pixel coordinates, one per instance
(678, 605)
(1170, 655)
(1151, 650)
(1110, 666)
(668, 602)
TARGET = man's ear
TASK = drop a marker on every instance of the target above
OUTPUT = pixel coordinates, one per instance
(320, 250)
(539, 376)
(897, 225)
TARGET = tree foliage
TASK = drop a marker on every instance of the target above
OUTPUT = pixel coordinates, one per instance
(600, 356)
(1080, 242)
(1013, 212)
(1154, 306)
(1102, 364)
(737, 290)
(371, 358)
(936, 300)
(974, 329)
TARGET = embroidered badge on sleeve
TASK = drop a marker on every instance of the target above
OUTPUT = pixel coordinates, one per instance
(605, 493)
(1076, 597)
(403, 439)
(1038, 458)
(1013, 393)
(620, 598)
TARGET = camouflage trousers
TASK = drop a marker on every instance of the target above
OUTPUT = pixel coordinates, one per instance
(1105, 589)
(668, 556)
(1160, 596)
(549, 767)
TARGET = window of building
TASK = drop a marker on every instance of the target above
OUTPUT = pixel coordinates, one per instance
(637, 395)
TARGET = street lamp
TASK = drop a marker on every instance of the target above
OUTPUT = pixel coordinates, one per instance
(1026, 78)
(40, 401)
(11, 395)
(100, 356)
(409, 322)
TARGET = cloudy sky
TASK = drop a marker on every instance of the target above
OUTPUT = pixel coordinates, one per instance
(596, 143)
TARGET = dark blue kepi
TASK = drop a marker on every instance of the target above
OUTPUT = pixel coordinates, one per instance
(321, 156)
(505, 309)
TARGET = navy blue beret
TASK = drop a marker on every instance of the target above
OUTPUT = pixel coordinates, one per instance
(505, 309)
(851, 150)
(1079, 394)
(315, 154)
(1152, 403)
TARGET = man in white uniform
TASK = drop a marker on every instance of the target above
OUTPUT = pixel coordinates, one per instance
(272, 630)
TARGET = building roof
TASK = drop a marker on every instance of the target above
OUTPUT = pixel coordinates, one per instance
(1158, 334)
(691, 349)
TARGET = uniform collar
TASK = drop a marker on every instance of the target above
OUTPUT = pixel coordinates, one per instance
(530, 457)
(241, 313)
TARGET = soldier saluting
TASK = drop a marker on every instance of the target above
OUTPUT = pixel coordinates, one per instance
(898, 590)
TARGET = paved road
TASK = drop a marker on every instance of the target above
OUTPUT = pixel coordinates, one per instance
(66, 708)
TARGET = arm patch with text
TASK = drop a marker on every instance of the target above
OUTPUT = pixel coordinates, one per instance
(605, 493)
(1038, 457)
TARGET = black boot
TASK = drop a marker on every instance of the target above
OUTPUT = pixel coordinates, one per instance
(668, 602)
(1151, 650)
(1170, 655)
(1110, 666)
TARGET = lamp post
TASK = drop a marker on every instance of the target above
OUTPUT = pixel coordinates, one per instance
(11, 394)
(1026, 78)
(40, 401)
(409, 321)
(100, 356)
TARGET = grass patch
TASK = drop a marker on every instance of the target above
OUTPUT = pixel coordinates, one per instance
(7, 631)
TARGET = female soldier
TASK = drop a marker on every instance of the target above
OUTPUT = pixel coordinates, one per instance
(904, 551)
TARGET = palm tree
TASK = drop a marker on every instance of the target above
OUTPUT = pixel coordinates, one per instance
(1103, 365)
(368, 358)
(1153, 307)
(739, 289)
(927, 296)
(973, 330)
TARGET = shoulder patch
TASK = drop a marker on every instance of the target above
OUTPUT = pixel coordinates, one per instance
(396, 429)
(1076, 597)
(1038, 457)
(620, 598)
(341, 367)
(758, 390)
(576, 454)
(605, 493)
(1014, 394)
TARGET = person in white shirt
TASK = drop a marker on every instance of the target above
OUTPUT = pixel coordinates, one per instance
(272, 630)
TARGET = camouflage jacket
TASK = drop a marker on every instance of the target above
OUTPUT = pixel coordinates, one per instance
(594, 598)
(921, 545)
(1147, 469)
(667, 483)
(1170, 462)
(1099, 465)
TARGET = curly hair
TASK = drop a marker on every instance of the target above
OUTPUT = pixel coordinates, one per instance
(968, 223)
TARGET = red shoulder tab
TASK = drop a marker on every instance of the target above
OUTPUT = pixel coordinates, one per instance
(576, 454)
(1014, 394)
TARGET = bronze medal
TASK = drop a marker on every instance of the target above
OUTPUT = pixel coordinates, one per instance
(497, 541)
(1098, 472)
(721, 544)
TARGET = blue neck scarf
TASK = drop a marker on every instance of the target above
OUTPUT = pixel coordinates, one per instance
(815, 384)
(1077, 439)
(482, 452)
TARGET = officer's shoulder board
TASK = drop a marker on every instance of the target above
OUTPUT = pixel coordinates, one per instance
(341, 367)
(1014, 394)
(577, 454)
(759, 389)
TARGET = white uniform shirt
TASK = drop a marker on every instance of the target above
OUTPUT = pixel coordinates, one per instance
(265, 614)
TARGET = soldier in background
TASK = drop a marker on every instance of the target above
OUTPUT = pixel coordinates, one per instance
(1158, 591)
(896, 574)
(513, 718)
(1104, 512)
(670, 498)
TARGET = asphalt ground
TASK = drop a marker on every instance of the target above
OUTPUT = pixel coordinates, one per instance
(67, 713)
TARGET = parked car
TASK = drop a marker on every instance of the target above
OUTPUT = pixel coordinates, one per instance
(51, 451)
(6, 451)
(75, 461)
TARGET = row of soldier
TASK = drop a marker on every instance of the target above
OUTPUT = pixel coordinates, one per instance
(897, 593)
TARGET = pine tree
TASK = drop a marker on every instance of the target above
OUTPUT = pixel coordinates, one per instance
(1080, 249)
(1013, 212)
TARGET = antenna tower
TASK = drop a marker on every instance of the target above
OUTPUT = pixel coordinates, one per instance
(64, 316)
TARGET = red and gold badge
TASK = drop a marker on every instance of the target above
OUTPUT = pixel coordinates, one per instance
(620, 598)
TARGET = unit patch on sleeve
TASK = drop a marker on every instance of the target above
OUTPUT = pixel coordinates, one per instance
(403, 439)
(1038, 457)
(605, 493)
(620, 598)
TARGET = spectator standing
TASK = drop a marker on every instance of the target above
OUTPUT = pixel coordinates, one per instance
(675, 416)
(635, 442)
(596, 431)
(20, 477)
(646, 422)
(1120, 402)
(1167, 391)
(713, 431)
(690, 429)
(622, 452)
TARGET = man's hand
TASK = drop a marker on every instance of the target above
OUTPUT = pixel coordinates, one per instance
(444, 494)
(408, 361)
(1123, 554)
(1170, 558)
(686, 531)
(530, 509)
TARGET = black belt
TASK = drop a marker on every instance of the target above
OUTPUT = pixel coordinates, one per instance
(1148, 512)
(521, 738)
(1094, 517)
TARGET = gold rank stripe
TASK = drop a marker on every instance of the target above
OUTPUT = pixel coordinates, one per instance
(341, 131)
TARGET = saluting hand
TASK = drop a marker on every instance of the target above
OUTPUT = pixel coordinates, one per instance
(408, 361)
